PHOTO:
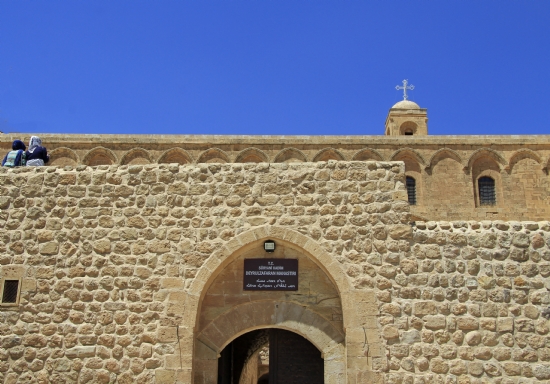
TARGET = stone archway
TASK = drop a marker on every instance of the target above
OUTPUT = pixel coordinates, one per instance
(227, 311)
(349, 348)
(288, 358)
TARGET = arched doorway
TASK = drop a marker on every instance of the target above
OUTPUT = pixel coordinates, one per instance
(341, 321)
(270, 356)
(227, 310)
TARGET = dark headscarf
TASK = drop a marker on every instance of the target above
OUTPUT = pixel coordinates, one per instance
(18, 144)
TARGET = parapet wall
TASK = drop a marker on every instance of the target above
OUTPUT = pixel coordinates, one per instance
(107, 257)
(445, 169)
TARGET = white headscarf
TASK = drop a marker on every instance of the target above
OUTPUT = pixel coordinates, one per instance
(34, 143)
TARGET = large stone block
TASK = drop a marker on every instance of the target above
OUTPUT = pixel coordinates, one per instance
(50, 248)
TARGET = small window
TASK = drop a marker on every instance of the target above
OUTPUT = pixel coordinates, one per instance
(11, 288)
(408, 133)
(411, 190)
(487, 194)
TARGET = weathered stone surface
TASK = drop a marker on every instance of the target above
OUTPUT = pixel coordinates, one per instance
(109, 260)
(80, 352)
(50, 248)
(542, 372)
(102, 246)
(467, 323)
(425, 308)
(435, 322)
(411, 337)
(390, 332)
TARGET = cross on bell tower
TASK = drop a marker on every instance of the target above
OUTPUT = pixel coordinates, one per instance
(406, 118)
(404, 88)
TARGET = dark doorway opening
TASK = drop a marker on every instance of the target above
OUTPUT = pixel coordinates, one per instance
(237, 355)
(273, 356)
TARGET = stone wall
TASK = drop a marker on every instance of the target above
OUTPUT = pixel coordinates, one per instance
(446, 168)
(114, 262)
(470, 303)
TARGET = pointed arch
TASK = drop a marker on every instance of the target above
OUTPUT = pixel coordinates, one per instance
(252, 155)
(487, 153)
(216, 336)
(327, 154)
(408, 152)
(213, 155)
(445, 172)
(367, 154)
(100, 156)
(441, 153)
(290, 155)
(175, 155)
(355, 303)
(136, 156)
(63, 156)
(485, 164)
(522, 154)
(247, 240)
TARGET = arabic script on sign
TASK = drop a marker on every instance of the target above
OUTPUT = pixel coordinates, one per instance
(270, 275)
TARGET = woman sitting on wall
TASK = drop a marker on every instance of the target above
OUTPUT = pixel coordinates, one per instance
(37, 155)
(15, 157)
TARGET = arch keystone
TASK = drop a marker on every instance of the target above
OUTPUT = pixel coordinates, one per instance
(277, 232)
(261, 232)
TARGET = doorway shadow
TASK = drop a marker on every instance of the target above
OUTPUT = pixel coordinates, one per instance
(274, 356)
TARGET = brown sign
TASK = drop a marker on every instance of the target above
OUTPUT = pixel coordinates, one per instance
(270, 275)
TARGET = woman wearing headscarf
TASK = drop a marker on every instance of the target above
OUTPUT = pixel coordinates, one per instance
(37, 155)
(15, 157)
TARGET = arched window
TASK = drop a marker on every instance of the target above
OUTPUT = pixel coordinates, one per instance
(487, 195)
(408, 128)
(411, 190)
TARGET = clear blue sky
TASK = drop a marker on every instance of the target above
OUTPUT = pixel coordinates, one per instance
(272, 66)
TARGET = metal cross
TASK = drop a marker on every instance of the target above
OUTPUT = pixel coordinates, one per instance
(404, 88)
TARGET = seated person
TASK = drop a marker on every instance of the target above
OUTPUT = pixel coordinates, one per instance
(37, 155)
(15, 157)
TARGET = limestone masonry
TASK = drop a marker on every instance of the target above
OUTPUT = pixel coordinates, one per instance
(126, 275)
(446, 168)
(421, 260)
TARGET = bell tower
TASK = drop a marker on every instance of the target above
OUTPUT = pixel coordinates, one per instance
(406, 118)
